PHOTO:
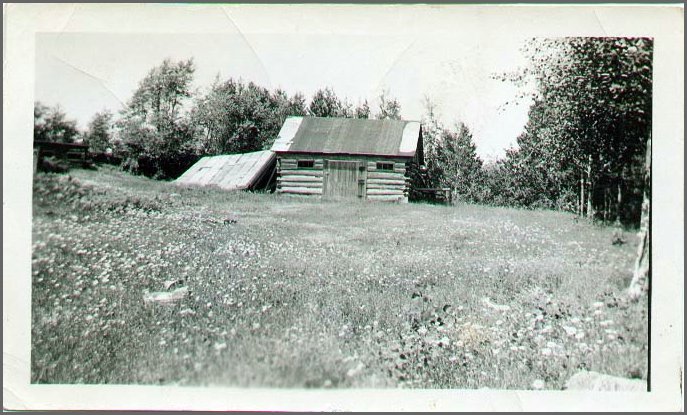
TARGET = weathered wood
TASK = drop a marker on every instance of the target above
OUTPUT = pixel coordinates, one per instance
(384, 192)
(385, 187)
(282, 185)
(295, 167)
(397, 165)
(342, 179)
(301, 172)
(386, 181)
(300, 190)
(298, 178)
(641, 275)
(385, 175)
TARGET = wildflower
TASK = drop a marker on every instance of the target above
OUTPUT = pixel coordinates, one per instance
(570, 331)
(538, 384)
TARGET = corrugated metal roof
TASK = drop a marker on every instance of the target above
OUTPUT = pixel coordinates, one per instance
(228, 172)
(348, 136)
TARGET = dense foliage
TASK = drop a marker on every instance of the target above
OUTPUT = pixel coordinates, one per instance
(583, 147)
(99, 134)
(154, 135)
(451, 160)
(51, 124)
(234, 117)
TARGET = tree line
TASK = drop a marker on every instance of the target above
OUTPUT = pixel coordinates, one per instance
(582, 149)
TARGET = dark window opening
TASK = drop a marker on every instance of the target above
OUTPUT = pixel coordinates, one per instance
(306, 164)
(385, 166)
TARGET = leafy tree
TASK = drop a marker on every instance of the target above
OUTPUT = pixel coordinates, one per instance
(235, 117)
(325, 103)
(99, 133)
(451, 159)
(362, 110)
(389, 108)
(156, 135)
(589, 123)
(458, 164)
(51, 124)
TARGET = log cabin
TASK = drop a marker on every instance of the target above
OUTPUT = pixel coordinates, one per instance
(347, 158)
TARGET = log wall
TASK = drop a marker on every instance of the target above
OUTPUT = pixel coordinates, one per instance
(300, 181)
(387, 185)
(379, 184)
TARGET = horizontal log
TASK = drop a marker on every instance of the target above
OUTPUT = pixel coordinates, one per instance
(400, 170)
(295, 161)
(385, 192)
(300, 190)
(299, 178)
(294, 167)
(384, 186)
(385, 175)
(304, 185)
(285, 173)
(387, 181)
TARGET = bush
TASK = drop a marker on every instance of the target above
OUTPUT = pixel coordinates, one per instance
(53, 165)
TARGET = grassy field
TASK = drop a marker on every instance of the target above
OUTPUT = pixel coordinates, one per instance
(304, 293)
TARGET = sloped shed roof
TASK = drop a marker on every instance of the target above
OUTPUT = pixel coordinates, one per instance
(348, 136)
(229, 172)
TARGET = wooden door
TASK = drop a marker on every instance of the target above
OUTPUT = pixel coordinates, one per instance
(341, 179)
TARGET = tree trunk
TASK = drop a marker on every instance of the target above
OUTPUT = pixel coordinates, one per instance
(581, 195)
(620, 199)
(590, 193)
(605, 204)
(641, 278)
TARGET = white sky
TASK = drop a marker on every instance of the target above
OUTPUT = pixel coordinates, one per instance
(411, 52)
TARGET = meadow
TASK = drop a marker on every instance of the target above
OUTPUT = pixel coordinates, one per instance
(293, 292)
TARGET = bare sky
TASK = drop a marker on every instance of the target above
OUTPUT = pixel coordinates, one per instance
(358, 54)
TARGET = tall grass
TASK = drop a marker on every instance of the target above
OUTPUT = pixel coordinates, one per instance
(306, 293)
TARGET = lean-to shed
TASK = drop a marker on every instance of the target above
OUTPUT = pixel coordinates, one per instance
(248, 171)
(347, 157)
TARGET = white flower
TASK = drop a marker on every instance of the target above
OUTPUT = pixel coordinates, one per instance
(538, 384)
(546, 351)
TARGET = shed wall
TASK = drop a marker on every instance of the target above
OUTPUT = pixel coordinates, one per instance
(373, 183)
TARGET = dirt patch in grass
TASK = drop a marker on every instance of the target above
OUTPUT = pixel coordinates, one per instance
(303, 293)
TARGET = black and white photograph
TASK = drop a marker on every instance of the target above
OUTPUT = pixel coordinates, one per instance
(346, 198)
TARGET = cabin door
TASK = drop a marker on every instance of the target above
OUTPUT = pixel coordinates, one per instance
(341, 179)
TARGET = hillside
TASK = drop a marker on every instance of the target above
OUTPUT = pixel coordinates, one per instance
(292, 292)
